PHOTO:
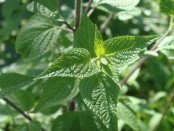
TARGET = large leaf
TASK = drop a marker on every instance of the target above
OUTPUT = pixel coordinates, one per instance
(84, 36)
(124, 50)
(117, 5)
(75, 121)
(125, 113)
(11, 82)
(37, 37)
(57, 91)
(74, 63)
(167, 47)
(48, 8)
(100, 93)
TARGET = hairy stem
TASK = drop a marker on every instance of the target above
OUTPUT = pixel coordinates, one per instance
(78, 8)
(104, 25)
(143, 60)
(89, 5)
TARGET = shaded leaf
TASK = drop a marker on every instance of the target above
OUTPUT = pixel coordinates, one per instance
(57, 91)
(75, 121)
(32, 126)
(11, 82)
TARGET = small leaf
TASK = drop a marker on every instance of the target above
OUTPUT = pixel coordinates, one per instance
(75, 121)
(47, 8)
(57, 91)
(11, 82)
(125, 113)
(99, 92)
(84, 36)
(167, 47)
(74, 63)
(117, 5)
(37, 37)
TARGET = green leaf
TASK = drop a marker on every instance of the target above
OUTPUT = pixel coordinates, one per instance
(74, 63)
(32, 126)
(24, 99)
(99, 92)
(47, 8)
(84, 36)
(166, 6)
(9, 7)
(75, 121)
(11, 82)
(37, 37)
(98, 43)
(57, 91)
(124, 50)
(125, 113)
(117, 5)
(167, 47)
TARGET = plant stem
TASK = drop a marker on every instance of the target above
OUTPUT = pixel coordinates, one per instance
(170, 100)
(143, 60)
(89, 5)
(17, 109)
(104, 25)
(78, 8)
(66, 29)
(20, 111)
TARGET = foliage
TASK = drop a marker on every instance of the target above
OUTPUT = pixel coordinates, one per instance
(89, 77)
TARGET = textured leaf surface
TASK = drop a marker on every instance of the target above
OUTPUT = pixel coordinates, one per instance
(116, 5)
(74, 63)
(124, 50)
(57, 91)
(37, 37)
(48, 8)
(167, 47)
(75, 121)
(12, 82)
(125, 113)
(84, 36)
(99, 93)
